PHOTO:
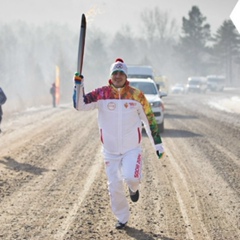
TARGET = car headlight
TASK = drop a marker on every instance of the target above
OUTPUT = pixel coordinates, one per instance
(157, 104)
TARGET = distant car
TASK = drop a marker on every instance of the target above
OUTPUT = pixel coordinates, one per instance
(196, 85)
(178, 88)
(215, 83)
(150, 90)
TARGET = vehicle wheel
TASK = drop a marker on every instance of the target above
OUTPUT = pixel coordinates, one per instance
(161, 127)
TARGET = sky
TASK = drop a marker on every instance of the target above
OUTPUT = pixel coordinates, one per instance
(110, 15)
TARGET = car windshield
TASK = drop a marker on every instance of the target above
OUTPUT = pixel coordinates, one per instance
(215, 80)
(139, 76)
(178, 85)
(146, 87)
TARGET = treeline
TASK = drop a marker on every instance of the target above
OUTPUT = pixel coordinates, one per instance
(29, 54)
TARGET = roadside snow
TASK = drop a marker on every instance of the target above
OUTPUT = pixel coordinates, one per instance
(230, 104)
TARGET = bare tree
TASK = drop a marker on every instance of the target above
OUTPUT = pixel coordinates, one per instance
(157, 25)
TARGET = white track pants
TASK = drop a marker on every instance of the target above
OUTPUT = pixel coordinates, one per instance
(120, 168)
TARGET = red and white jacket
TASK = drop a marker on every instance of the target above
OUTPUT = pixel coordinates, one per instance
(121, 112)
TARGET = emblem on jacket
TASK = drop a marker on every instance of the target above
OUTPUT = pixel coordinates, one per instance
(130, 104)
(111, 106)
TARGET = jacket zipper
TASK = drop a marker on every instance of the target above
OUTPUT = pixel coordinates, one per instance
(119, 121)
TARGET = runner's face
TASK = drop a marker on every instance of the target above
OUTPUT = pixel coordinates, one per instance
(119, 79)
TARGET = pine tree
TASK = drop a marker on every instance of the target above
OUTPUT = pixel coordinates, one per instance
(226, 49)
(192, 47)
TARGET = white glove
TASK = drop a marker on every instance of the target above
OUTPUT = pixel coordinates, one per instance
(159, 150)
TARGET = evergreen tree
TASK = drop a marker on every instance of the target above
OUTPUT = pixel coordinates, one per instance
(192, 47)
(226, 49)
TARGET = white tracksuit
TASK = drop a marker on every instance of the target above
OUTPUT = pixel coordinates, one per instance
(120, 116)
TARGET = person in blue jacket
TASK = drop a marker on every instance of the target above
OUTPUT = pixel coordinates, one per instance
(3, 99)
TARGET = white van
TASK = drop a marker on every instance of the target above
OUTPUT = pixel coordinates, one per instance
(139, 71)
(197, 85)
(215, 83)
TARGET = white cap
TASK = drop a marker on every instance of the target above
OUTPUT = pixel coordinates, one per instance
(118, 65)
